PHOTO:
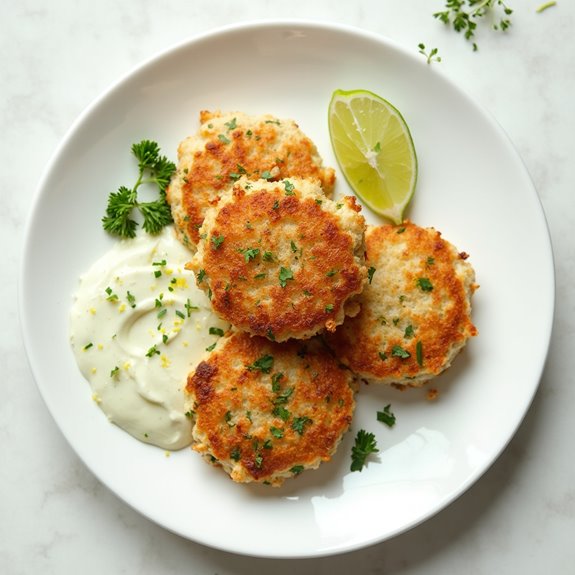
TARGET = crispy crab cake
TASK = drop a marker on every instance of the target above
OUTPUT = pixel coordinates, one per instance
(415, 311)
(280, 260)
(228, 146)
(265, 411)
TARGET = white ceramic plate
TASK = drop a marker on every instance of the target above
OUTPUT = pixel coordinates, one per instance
(472, 186)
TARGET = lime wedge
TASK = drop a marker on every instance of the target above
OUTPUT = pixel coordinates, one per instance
(374, 149)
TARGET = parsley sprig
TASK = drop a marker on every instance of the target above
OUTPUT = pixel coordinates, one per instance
(152, 168)
(463, 15)
(365, 444)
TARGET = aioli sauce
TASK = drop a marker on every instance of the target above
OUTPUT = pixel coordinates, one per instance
(138, 326)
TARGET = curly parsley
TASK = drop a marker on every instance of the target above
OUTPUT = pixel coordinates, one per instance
(152, 168)
(365, 444)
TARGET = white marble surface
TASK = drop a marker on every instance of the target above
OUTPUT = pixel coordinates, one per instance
(55, 517)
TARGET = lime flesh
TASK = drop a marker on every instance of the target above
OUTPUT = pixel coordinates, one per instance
(374, 150)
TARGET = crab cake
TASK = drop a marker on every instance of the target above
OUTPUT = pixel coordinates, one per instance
(280, 260)
(228, 146)
(415, 311)
(265, 411)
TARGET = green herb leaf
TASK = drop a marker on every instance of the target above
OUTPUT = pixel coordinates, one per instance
(424, 284)
(398, 351)
(152, 168)
(217, 241)
(299, 423)
(386, 416)
(264, 364)
(285, 274)
(365, 444)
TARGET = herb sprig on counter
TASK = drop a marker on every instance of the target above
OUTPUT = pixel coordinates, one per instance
(152, 168)
(463, 15)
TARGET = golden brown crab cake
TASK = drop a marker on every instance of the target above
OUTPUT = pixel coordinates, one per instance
(280, 260)
(231, 145)
(415, 311)
(266, 411)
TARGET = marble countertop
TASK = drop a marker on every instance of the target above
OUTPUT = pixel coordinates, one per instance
(56, 517)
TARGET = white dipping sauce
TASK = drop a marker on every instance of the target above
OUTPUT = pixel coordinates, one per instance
(138, 326)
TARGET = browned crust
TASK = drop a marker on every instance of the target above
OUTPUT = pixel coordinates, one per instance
(254, 152)
(234, 405)
(441, 325)
(326, 271)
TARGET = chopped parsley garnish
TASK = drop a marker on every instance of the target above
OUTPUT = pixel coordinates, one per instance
(329, 308)
(161, 313)
(216, 331)
(331, 273)
(264, 364)
(268, 257)
(276, 378)
(211, 347)
(293, 247)
(115, 372)
(289, 188)
(88, 346)
(424, 284)
(297, 469)
(190, 307)
(382, 356)
(111, 295)
(152, 351)
(266, 175)
(398, 351)
(180, 314)
(152, 168)
(201, 276)
(217, 241)
(231, 125)
(281, 412)
(223, 139)
(365, 444)
(277, 432)
(250, 253)
(131, 299)
(283, 397)
(235, 454)
(370, 273)
(299, 423)
(386, 416)
(285, 274)
(409, 332)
